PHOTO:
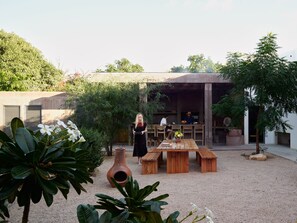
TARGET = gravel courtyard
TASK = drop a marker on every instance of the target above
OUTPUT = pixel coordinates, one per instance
(241, 191)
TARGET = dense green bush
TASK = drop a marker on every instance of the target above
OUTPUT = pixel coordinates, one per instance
(93, 144)
(23, 67)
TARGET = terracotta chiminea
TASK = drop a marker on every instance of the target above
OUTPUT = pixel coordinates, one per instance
(119, 171)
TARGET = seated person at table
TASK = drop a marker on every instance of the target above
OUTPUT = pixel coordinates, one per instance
(168, 128)
(188, 119)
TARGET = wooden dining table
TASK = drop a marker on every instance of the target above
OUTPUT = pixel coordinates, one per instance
(178, 154)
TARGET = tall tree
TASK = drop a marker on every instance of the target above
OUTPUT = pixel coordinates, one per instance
(198, 63)
(179, 69)
(269, 83)
(123, 65)
(22, 66)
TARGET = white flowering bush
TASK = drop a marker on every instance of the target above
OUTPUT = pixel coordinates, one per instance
(66, 134)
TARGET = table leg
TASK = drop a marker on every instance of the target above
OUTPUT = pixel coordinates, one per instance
(177, 162)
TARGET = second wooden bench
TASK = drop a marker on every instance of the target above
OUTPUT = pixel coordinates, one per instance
(207, 160)
(150, 162)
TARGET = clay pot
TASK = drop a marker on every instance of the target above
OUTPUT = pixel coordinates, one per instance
(235, 132)
(119, 171)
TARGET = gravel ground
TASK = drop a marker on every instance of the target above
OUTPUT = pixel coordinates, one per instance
(241, 191)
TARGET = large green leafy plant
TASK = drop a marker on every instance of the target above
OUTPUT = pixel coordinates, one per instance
(133, 207)
(39, 164)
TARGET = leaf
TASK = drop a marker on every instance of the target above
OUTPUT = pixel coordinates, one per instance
(121, 218)
(25, 140)
(4, 138)
(172, 218)
(48, 186)
(77, 186)
(3, 209)
(36, 192)
(21, 172)
(15, 124)
(105, 217)
(161, 197)
(48, 198)
(87, 214)
(119, 187)
(10, 189)
(23, 197)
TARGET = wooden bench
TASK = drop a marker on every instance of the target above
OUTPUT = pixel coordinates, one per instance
(160, 159)
(150, 163)
(207, 160)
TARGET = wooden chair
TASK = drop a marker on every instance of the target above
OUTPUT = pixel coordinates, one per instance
(176, 128)
(161, 134)
(199, 133)
(187, 130)
(151, 135)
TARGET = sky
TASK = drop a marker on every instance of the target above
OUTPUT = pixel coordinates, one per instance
(82, 36)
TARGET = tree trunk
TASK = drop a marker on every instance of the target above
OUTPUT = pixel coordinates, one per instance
(26, 212)
(257, 141)
(257, 130)
(109, 149)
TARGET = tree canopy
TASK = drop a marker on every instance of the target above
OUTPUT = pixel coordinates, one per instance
(198, 63)
(268, 82)
(122, 66)
(109, 107)
(22, 66)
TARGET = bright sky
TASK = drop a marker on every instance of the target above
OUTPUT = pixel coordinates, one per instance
(81, 36)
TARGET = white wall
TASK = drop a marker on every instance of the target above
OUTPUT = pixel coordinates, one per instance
(270, 137)
(52, 103)
(293, 133)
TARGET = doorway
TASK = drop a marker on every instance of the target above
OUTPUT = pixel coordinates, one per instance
(253, 113)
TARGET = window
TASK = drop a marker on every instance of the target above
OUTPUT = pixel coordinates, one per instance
(33, 116)
(10, 112)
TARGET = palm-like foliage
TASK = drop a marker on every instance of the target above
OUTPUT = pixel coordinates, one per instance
(132, 208)
(31, 166)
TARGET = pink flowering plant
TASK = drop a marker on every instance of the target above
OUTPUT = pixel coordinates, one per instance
(38, 164)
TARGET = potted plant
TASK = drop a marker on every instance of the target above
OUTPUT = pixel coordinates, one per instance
(178, 135)
(231, 107)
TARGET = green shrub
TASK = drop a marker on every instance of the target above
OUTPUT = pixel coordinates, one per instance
(93, 144)
(134, 208)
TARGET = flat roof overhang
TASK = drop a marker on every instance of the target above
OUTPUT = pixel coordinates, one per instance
(158, 77)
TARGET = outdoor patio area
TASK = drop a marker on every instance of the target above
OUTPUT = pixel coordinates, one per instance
(240, 191)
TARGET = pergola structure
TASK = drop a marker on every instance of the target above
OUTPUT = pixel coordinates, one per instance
(195, 92)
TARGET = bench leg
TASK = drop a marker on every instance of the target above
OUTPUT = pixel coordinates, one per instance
(203, 164)
(149, 167)
(198, 158)
(208, 165)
